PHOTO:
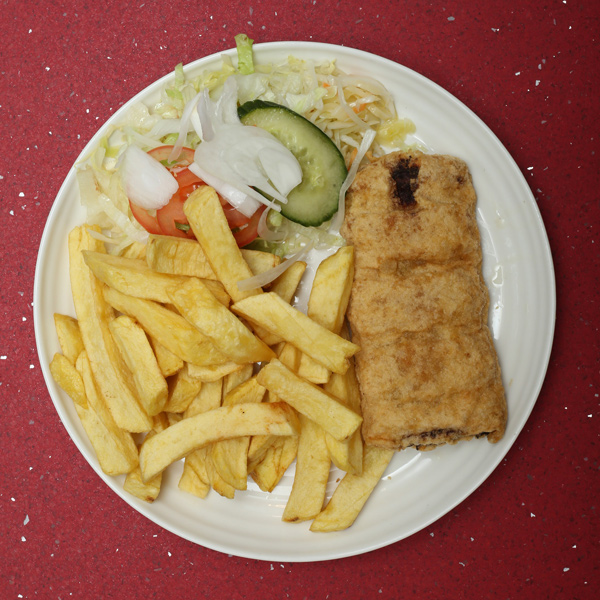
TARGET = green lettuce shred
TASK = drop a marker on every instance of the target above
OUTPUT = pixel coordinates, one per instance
(244, 52)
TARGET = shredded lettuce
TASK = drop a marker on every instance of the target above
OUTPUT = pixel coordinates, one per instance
(344, 106)
(244, 52)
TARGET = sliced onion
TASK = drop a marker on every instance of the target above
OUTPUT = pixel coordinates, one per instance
(237, 160)
(241, 201)
(184, 127)
(338, 219)
(262, 279)
(147, 183)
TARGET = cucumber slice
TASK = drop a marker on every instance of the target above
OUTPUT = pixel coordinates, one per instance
(315, 199)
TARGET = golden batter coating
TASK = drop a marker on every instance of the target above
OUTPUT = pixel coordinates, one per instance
(427, 368)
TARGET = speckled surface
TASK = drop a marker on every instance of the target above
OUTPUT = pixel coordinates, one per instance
(530, 71)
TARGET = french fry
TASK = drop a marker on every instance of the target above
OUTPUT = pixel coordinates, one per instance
(197, 462)
(212, 372)
(182, 391)
(206, 428)
(115, 449)
(353, 492)
(205, 215)
(69, 336)
(230, 457)
(198, 305)
(191, 482)
(217, 482)
(169, 328)
(310, 400)
(134, 250)
(177, 256)
(285, 287)
(327, 304)
(286, 284)
(279, 456)
(148, 492)
(180, 256)
(331, 289)
(134, 277)
(232, 380)
(260, 262)
(173, 418)
(168, 362)
(274, 314)
(312, 473)
(111, 374)
(290, 356)
(259, 444)
(346, 455)
(68, 378)
(207, 399)
(257, 449)
(160, 422)
(135, 348)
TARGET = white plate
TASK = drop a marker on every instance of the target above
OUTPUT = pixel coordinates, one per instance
(418, 488)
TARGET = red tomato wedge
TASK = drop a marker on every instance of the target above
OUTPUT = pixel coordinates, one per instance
(171, 220)
(249, 232)
(147, 220)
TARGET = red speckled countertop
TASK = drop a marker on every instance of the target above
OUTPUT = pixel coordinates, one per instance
(530, 71)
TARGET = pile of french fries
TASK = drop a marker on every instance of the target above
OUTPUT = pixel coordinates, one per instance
(168, 360)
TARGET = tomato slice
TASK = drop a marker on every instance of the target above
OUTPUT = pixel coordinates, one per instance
(162, 153)
(249, 233)
(171, 220)
(234, 217)
(185, 177)
(148, 221)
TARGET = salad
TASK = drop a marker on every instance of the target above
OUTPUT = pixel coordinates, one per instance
(280, 143)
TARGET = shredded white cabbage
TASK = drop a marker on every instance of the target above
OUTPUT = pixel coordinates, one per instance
(346, 107)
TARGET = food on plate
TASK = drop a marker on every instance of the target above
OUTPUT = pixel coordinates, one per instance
(346, 455)
(327, 304)
(427, 369)
(68, 378)
(198, 305)
(114, 446)
(315, 199)
(222, 423)
(310, 400)
(134, 277)
(312, 473)
(276, 461)
(69, 336)
(94, 314)
(147, 491)
(166, 254)
(183, 388)
(207, 215)
(230, 457)
(275, 315)
(353, 491)
(168, 363)
(171, 329)
(150, 384)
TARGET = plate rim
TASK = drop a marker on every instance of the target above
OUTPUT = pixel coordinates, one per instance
(298, 47)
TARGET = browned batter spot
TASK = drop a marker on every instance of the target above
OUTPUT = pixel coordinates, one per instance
(405, 175)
